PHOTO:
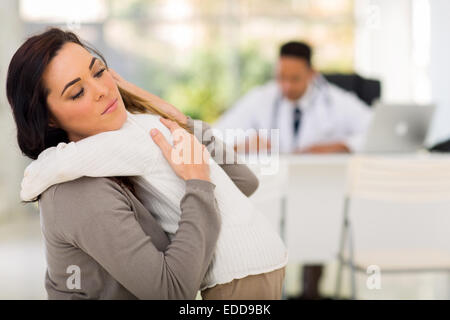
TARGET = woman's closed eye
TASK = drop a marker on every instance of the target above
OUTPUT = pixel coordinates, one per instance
(80, 93)
(100, 73)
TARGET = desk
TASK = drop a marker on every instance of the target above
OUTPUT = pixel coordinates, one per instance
(314, 188)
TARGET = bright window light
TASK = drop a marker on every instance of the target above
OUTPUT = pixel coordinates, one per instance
(83, 11)
(176, 10)
(421, 32)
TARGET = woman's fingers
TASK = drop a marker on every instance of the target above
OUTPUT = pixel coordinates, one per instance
(171, 125)
(187, 158)
(177, 131)
(162, 143)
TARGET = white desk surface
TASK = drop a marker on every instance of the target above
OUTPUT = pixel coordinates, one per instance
(325, 159)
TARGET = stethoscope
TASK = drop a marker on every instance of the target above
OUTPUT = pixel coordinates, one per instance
(320, 86)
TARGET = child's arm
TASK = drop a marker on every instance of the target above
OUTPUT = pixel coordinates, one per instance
(112, 153)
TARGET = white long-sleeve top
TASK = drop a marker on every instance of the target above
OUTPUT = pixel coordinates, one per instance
(247, 243)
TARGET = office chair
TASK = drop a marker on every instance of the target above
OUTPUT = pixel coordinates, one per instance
(393, 181)
(368, 90)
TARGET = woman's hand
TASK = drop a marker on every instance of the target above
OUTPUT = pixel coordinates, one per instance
(153, 99)
(188, 157)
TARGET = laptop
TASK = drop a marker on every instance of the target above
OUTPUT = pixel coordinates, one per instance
(398, 128)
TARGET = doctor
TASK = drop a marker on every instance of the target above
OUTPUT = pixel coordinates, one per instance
(313, 115)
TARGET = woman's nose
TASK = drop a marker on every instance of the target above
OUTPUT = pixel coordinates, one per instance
(100, 90)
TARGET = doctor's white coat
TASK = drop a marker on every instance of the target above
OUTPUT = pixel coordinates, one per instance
(329, 114)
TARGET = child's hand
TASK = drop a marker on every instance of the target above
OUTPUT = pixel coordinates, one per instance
(164, 106)
(120, 81)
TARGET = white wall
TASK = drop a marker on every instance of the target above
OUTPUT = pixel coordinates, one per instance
(440, 67)
(383, 44)
(405, 44)
(12, 163)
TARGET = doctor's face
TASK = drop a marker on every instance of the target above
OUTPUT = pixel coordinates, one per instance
(293, 76)
(83, 97)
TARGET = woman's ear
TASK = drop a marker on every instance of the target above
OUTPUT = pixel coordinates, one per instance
(52, 122)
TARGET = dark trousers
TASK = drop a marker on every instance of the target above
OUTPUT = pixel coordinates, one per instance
(311, 279)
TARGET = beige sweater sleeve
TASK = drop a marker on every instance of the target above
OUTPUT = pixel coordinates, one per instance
(95, 215)
(240, 173)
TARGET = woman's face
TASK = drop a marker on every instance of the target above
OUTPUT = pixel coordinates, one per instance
(83, 97)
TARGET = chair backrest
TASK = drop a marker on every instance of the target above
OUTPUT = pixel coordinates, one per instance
(412, 179)
(368, 90)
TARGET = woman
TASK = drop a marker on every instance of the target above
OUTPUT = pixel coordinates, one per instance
(94, 226)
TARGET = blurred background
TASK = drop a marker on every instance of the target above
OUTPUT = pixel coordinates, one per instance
(202, 56)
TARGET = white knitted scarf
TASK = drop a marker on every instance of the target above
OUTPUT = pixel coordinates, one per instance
(247, 243)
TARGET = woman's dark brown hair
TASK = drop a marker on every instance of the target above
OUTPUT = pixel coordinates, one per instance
(27, 94)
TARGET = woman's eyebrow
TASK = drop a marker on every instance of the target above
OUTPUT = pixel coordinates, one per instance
(69, 84)
(78, 79)
(92, 62)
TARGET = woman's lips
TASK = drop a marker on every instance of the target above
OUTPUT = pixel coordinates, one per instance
(111, 107)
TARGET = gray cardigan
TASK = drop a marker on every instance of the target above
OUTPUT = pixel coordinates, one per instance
(102, 243)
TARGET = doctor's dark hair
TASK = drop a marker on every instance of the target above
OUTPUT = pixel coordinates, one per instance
(27, 94)
(297, 49)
